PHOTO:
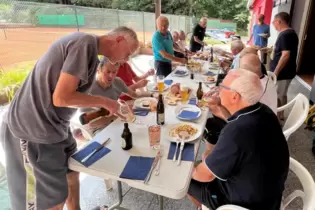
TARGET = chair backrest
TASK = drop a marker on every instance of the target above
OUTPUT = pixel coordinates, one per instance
(272, 77)
(230, 207)
(297, 116)
(308, 184)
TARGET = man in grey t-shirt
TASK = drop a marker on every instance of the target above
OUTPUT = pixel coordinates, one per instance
(36, 133)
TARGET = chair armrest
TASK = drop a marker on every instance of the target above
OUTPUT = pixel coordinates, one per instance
(291, 197)
(282, 108)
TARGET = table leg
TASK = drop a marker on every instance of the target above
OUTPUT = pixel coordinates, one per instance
(161, 202)
(120, 197)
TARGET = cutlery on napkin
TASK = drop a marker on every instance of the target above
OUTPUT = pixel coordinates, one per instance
(95, 151)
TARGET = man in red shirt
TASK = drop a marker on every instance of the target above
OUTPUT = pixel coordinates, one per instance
(130, 78)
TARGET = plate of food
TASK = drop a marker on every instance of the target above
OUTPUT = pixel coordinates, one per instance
(154, 87)
(191, 129)
(187, 112)
(174, 93)
(144, 103)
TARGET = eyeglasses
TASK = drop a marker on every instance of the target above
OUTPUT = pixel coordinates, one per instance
(122, 59)
(228, 88)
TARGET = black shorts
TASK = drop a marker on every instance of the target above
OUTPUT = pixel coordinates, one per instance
(163, 68)
(207, 193)
(195, 47)
(213, 129)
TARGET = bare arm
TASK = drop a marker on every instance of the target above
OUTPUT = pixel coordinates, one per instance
(134, 94)
(282, 62)
(198, 41)
(202, 174)
(171, 57)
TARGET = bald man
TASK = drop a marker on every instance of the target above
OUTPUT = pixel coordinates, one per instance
(196, 41)
(251, 62)
(162, 44)
(251, 50)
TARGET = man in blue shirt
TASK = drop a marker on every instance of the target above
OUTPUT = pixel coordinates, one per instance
(261, 33)
(162, 44)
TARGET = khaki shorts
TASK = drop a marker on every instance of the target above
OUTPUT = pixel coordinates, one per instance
(282, 87)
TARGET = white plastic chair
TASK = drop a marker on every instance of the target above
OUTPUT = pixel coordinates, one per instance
(226, 207)
(308, 184)
(272, 77)
(300, 106)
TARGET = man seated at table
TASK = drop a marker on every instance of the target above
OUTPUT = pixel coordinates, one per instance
(106, 85)
(248, 166)
(131, 79)
(178, 52)
(163, 51)
(251, 50)
(252, 63)
(236, 47)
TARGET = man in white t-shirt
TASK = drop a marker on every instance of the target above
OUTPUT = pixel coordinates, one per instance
(252, 63)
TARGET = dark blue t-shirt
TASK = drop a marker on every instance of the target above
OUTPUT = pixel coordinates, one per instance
(251, 159)
(258, 30)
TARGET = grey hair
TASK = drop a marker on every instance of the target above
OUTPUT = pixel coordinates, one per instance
(125, 31)
(237, 45)
(248, 85)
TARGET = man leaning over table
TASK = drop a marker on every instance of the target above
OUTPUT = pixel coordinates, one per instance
(162, 44)
(248, 166)
(36, 132)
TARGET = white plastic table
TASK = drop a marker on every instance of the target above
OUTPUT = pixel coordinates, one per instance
(173, 181)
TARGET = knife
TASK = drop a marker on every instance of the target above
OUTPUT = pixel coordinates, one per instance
(95, 151)
(156, 160)
(182, 144)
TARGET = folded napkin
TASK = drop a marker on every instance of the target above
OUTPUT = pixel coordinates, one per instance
(180, 72)
(141, 111)
(137, 168)
(186, 114)
(193, 101)
(209, 73)
(79, 156)
(168, 81)
(188, 153)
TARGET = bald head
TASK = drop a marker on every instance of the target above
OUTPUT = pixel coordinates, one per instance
(248, 50)
(162, 24)
(237, 46)
(251, 63)
(203, 22)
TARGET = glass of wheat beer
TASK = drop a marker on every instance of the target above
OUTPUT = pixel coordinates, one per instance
(160, 83)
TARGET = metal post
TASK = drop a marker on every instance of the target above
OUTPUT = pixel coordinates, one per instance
(143, 27)
(76, 17)
(120, 197)
(157, 10)
(5, 33)
(161, 202)
(118, 19)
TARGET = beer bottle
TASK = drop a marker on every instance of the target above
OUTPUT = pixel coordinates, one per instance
(126, 138)
(199, 91)
(89, 116)
(160, 117)
(211, 55)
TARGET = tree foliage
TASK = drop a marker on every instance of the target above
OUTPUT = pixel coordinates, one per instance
(224, 9)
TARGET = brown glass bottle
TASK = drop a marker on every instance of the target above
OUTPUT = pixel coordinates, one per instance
(199, 91)
(89, 116)
(160, 112)
(126, 138)
(211, 55)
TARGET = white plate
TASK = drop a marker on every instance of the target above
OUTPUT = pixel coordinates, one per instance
(261, 34)
(180, 75)
(203, 79)
(138, 102)
(187, 107)
(151, 87)
(191, 138)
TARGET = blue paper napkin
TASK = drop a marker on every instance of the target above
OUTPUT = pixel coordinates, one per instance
(209, 73)
(180, 72)
(188, 153)
(137, 168)
(141, 112)
(79, 156)
(186, 114)
(168, 81)
(192, 101)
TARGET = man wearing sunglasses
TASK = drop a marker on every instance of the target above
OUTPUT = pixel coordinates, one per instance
(248, 166)
(35, 131)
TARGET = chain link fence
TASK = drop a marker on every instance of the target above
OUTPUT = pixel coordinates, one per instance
(28, 28)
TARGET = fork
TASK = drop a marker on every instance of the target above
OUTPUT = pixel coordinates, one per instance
(157, 169)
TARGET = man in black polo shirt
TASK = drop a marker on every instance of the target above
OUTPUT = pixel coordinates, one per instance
(248, 166)
(283, 59)
(196, 41)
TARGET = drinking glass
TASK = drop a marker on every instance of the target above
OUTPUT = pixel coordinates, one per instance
(126, 111)
(184, 93)
(154, 136)
(160, 81)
